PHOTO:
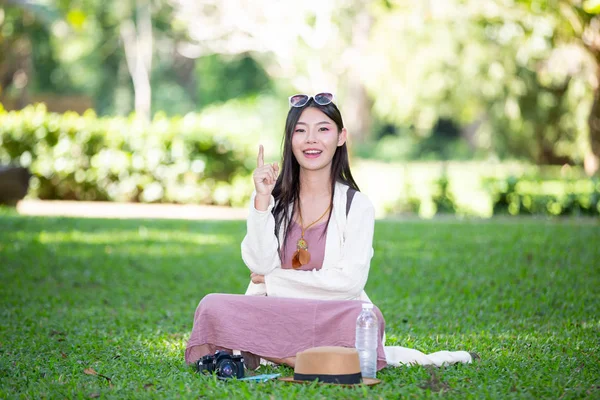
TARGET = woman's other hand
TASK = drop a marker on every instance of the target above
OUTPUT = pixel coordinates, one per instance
(256, 278)
(264, 178)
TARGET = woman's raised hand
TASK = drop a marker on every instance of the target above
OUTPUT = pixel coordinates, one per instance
(264, 176)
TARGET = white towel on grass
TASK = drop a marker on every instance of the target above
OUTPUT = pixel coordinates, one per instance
(403, 356)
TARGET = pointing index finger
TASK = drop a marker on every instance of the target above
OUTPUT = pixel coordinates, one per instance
(260, 161)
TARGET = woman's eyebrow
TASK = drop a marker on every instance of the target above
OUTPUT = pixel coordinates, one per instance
(318, 123)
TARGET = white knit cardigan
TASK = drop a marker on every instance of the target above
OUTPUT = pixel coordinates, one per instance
(347, 259)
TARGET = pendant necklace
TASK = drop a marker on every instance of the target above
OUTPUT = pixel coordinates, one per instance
(302, 256)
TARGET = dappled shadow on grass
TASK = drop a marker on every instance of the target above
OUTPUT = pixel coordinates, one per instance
(122, 256)
(94, 293)
(113, 274)
(119, 297)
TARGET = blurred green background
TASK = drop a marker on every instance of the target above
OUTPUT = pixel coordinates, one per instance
(473, 107)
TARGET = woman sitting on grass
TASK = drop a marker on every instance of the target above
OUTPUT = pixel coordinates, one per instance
(309, 244)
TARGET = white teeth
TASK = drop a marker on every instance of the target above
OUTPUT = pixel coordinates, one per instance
(312, 152)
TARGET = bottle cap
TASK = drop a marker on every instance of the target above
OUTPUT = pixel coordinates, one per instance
(367, 306)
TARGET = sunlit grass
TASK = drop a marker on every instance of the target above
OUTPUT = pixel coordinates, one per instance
(119, 296)
(142, 236)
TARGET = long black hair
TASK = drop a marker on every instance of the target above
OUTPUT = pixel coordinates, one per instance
(287, 188)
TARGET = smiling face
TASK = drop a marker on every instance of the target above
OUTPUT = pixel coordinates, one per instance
(315, 139)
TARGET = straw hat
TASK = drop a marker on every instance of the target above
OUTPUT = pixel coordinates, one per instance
(329, 364)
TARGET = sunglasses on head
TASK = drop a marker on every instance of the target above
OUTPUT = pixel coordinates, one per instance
(300, 100)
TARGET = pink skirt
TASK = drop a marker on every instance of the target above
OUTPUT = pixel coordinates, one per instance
(274, 327)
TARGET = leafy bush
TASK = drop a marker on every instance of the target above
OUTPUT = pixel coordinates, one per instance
(535, 196)
(84, 157)
(444, 199)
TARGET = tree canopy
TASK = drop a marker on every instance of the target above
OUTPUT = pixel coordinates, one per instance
(516, 78)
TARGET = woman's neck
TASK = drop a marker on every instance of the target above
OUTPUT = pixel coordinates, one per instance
(314, 184)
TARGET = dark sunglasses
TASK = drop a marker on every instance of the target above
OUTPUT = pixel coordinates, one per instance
(300, 100)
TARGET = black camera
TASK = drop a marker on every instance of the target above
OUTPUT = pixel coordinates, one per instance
(223, 364)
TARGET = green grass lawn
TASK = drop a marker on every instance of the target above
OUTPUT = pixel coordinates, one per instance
(119, 296)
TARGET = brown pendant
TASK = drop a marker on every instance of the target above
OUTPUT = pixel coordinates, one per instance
(301, 257)
(296, 260)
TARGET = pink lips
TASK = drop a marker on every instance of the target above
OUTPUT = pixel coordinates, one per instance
(312, 153)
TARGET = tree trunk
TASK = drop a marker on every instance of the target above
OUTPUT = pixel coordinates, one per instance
(357, 109)
(592, 159)
(357, 112)
(469, 132)
(185, 75)
(591, 163)
(137, 41)
(546, 152)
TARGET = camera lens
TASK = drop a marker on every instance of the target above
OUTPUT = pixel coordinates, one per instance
(227, 369)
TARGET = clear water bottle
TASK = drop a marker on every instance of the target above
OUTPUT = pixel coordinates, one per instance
(367, 331)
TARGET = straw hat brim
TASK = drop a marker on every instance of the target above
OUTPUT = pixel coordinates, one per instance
(365, 382)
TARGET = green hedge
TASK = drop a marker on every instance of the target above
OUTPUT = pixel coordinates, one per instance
(85, 157)
(535, 196)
